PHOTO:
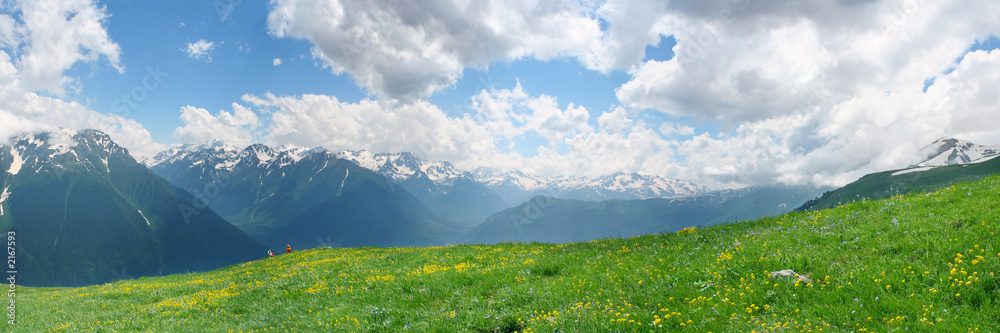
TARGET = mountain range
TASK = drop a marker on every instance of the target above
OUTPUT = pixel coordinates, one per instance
(517, 187)
(459, 199)
(553, 220)
(456, 196)
(300, 197)
(85, 212)
(292, 195)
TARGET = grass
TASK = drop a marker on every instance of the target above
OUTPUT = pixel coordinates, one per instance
(919, 262)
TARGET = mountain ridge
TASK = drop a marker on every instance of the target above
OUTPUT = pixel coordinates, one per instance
(462, 198)
(86, 212)
(293, 195)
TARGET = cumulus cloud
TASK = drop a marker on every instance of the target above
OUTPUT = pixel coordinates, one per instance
(42, 39)
(277, 62)
(512, 112)
(235, 127)
(381, 126)
(408, 50)
(49, 36)
(818, 92)
(671, 129)
(199, 50)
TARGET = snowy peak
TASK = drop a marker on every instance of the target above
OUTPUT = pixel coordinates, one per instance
(98, 141)
(259, 153)
(215, 151)
(403, 166)
(60, 151)
(510, 180)
(517, 185)
(514, 186)
(627, 186)
(949, 151)
(225, 157)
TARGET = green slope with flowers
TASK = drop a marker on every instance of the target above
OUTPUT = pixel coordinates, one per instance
(920, 262)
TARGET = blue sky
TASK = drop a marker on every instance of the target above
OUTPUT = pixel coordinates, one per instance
(154, 33)
(725, 93)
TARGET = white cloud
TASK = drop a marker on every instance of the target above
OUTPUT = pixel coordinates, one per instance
(26, 111)
(970, 96)
(408, 50)
(49, 36)
(819, 92)
(276, 62)
(42, 39)
(200, 50)
(235, 127)
(671, 129)
(318, 120)
(509, 113)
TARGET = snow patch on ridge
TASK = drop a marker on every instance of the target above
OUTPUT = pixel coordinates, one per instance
(15, 166)
(906, 171)
(143, 216)
(3, 197)
(347, 172)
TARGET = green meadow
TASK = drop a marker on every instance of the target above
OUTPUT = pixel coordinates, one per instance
(919, 262)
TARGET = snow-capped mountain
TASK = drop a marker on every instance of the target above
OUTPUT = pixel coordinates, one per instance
(519, 186)
(297, 196)
(516, 186)
(453, 194)
(89, 213)
(222, 156)
(949, 151)
(462, 197)
(58, 151)
(625, 186)
(403, 166)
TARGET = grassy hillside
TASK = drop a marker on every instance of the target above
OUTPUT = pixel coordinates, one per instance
(921, 262)
(882, 185)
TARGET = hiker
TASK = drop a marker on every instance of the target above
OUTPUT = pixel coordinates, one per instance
(289, 249)
(270, 253)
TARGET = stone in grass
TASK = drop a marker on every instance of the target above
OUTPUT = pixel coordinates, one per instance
(790, 274)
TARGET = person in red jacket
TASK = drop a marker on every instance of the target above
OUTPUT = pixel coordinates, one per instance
(289, 249)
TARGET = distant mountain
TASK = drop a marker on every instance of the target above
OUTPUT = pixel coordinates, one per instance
(889, 183)
(951, 151)
(452, 194)
(85, 212)
(302, 197)
(546, 219)
(471, 197)
(516, 186)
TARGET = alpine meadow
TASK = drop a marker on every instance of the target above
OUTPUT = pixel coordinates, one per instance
(923, 262)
